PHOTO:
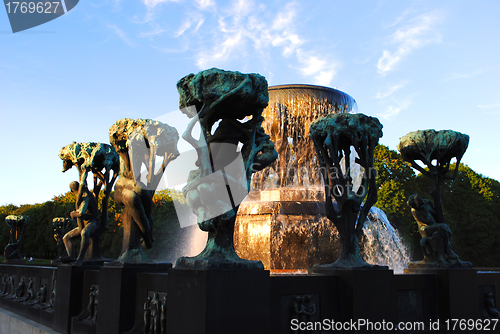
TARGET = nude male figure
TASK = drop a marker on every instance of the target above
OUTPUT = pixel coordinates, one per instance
(86, 215)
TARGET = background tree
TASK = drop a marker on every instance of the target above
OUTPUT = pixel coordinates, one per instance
(471, 206)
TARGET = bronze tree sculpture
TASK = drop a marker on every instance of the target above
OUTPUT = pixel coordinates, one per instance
(61, 227)
(139, 142)
(17, 226)
(103, 162)
(435, 150)
(334, 137)
(228, 107)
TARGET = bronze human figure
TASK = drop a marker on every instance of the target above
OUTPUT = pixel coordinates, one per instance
(435, 150)
(103, 162)
(435, 240)
(139, 142)
(86, 215)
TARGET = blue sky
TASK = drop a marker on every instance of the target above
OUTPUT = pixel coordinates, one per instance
(413, 64)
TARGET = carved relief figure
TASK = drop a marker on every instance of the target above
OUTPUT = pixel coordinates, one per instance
(163, 317)
(91, 307)
(4, 284)
(147, 316)
(31, 293)
(19, 292)
(41, 295)
(155, 313)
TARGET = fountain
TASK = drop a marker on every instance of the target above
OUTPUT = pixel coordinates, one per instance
(283, 221)
(219, 292)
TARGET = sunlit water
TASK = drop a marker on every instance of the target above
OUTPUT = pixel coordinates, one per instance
(383, 244)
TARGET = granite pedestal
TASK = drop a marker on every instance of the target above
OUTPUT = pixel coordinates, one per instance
(218, 301)
(457, 292)
(117, 295)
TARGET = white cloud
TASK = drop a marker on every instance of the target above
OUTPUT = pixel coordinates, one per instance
(324, 78)
(416, 34)
(471, 74)
(155, 31)
(455, 76)
(121, 34)
(195, 20)
(389, 91)
(220, 54)
(398, 106)
(489, 106)
(240, 29)
(248, 28)
(151, 9)
(321, 69)
(390, 112)
(154, 3)
(205, 4)
(312, 64)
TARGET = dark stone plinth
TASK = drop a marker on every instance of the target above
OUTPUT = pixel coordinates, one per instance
(147, 286)
(85, 323)
(218, 301)
(416, 297)
(117, 295)
(69, 292)
(457, 294)
(318, 294)
(195, 263)
(365, 294)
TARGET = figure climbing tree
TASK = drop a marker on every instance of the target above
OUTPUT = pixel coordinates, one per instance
(234, 101)
(335, 137)
(103, 162)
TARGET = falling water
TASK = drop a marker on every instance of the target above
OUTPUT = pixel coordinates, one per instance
(288, 116)
(383, 245)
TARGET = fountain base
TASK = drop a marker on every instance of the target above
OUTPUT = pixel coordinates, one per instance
(285, 229)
